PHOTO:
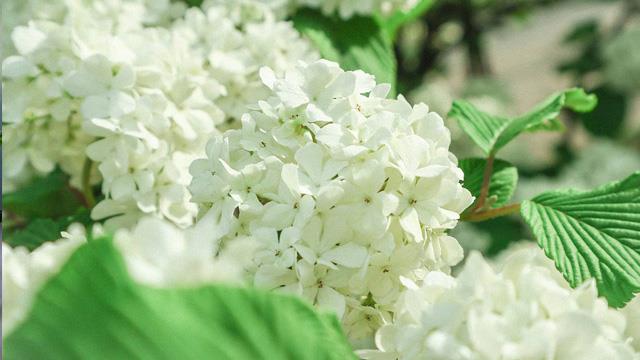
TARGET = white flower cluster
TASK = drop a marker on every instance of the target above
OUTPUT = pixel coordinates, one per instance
(632, 313)
(622, 60)
(151, 96)
(160, 254)
(41, 122)
(521, 308)
(114, 15)
(234, 41)
(155, 251)
(346, 190)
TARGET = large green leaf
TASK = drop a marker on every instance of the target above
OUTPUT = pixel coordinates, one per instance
(503, 179)
(47, 197)
(41, 230)
(592, 234)
(93, 310)
(393, 22)
(493, 132)
(359, 43)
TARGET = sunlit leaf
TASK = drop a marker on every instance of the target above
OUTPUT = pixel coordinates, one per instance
(492, 132)
(93, 310)
(592, 234)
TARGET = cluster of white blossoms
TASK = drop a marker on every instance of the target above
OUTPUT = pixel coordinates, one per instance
(160, 254)
(43, 43)
(234, 41)
(115, 15)
(520, 307)
(155, 251)
(622, 60)
(150, 97)
(632, 313)
(41, 122)
(345, 190)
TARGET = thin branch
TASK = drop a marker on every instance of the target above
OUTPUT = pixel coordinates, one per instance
(492, 213)
(486, 182)
(87, 191)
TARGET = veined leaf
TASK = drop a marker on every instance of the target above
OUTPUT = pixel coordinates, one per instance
(491, 132)
(359, 43)
(393, 22)
(92, 309)
(592, 234)
(503, 179)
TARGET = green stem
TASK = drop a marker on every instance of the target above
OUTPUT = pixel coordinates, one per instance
(492, 213)
(486, 182)
(86, 183)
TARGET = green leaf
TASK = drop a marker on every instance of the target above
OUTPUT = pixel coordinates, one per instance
(42, 230)
(194, 3)
(492, 133)
(607, 118)
(359, 43)
(503, 179)
(393, 22)
(93, 310)
(584, 32)
(592, 234)
(47, 197)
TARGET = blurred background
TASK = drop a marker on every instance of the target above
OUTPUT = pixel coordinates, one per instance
(505, 56)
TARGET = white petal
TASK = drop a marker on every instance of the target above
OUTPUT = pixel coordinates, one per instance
(329, 299)
(410, 223)
(348, 255)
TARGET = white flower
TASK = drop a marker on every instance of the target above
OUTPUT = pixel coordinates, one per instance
(24, 272)
(519, 308)
(235, 43)
(138, 101)
(42, 127)
(632, 312)
(319, 177)
(159, 253)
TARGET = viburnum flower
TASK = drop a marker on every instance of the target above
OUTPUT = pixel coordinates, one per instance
(632, 313)
(115, 16)
(160, 254)
(320, 174)
(155, 251)
(245, 37)
(520, 307)
(43, 120)
(138, 101)
(42, 124)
